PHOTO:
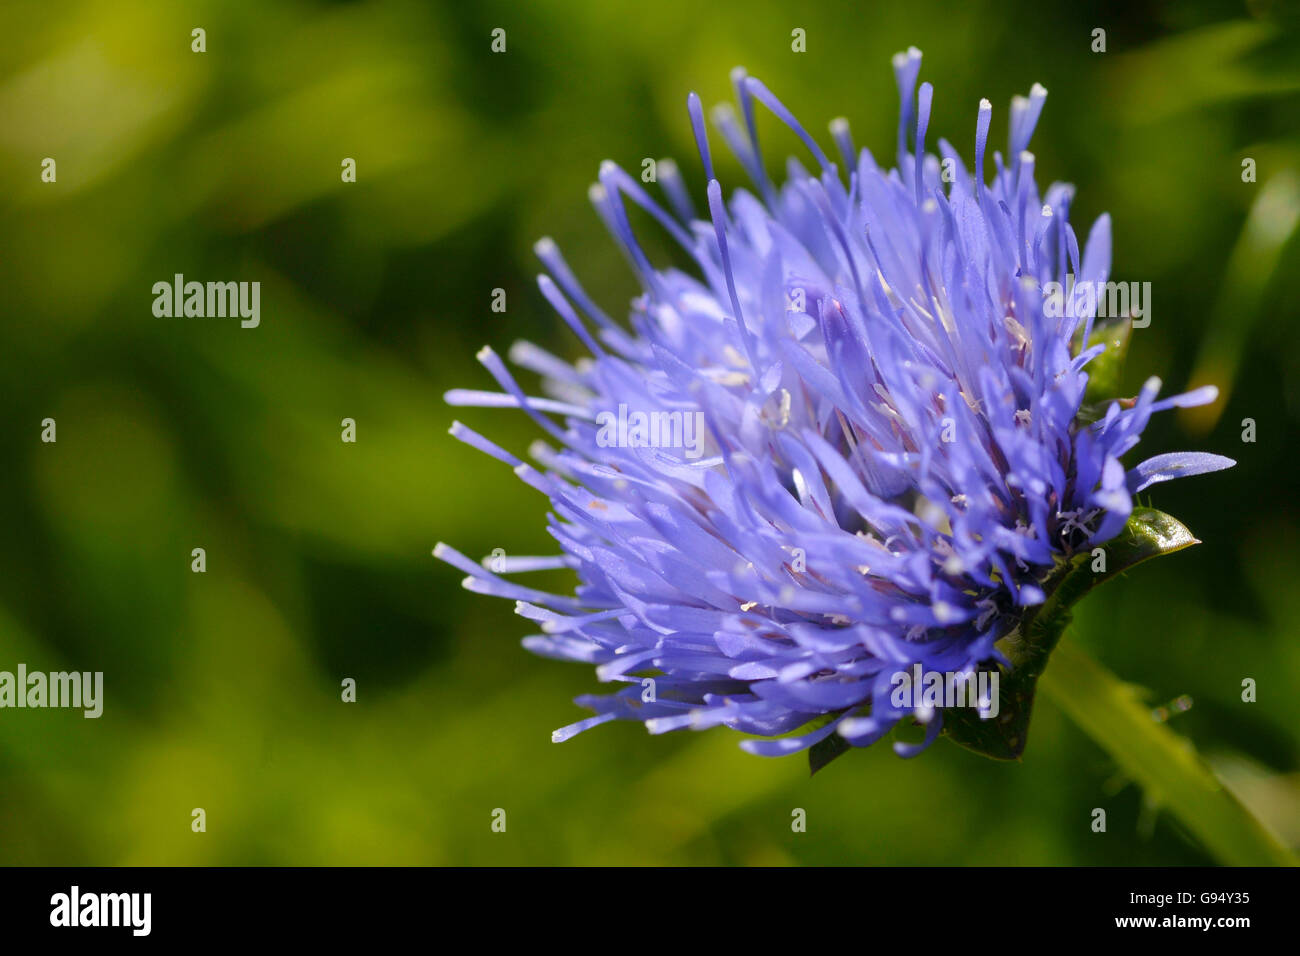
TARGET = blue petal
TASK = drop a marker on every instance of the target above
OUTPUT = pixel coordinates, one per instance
(1177, 464)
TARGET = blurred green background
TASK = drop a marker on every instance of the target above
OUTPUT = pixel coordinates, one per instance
(222, 689)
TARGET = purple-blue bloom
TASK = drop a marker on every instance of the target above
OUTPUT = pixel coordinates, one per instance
(890, 456)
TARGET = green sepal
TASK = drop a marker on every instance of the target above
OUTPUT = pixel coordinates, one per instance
(1104, 371)
(1148, 534)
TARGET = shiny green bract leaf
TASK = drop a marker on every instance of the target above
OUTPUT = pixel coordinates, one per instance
(1149, 533)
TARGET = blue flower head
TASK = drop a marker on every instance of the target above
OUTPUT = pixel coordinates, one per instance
(852, 439)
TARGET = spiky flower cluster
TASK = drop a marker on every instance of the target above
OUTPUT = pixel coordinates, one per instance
(891, 456)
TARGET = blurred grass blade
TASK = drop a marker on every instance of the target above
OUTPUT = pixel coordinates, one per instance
(1273, 220)
(1215, 64)
(1164, 764)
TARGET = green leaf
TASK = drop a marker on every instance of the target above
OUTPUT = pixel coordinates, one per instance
(1147, 534)
(1164, 764)
(1105, 370)
(1111, 712)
